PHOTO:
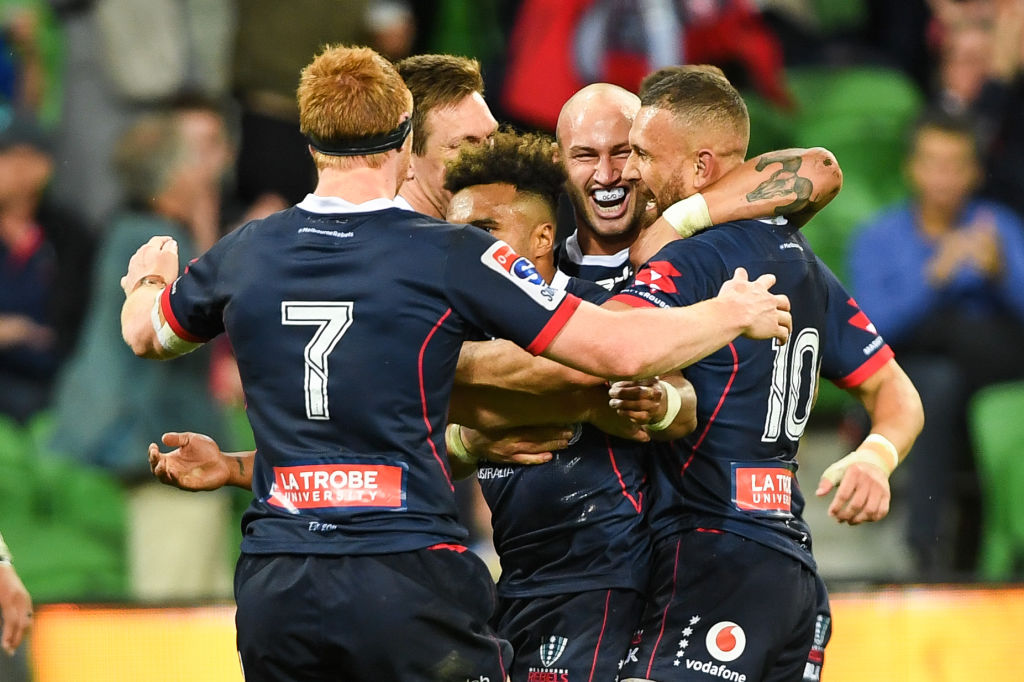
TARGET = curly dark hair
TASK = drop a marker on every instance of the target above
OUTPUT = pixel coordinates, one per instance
(524, 160)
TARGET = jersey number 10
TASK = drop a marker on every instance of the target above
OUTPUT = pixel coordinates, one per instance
(794, 363)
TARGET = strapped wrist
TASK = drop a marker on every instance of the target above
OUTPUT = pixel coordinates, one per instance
(457, 446)
(689, 216)
(149, 281)
(675, 402)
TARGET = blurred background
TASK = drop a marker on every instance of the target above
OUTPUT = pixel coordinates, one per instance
(125, 118)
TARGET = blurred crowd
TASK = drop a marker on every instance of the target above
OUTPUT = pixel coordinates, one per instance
(121, 119)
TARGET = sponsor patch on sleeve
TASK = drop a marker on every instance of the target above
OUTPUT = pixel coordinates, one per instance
(766, 489)
(333, 486)
(501, 258)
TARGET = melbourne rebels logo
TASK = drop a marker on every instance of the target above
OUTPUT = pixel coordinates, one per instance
(501, 258)
(726, 641)
(552, 649)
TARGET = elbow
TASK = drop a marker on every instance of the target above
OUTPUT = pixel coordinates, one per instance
(826, 174)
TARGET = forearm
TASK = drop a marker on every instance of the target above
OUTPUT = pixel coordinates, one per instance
(241, 468)
(502, 364)
(640, 343)
(893, 405)
(685, 420)
(486, 408)
(796, 183)
(137, 328)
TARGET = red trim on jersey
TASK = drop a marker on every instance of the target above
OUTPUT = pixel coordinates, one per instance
(447, 545)
(172, 321)
(664, 615)
(423, 399)
(554, 325)
(604, 622)
(634, 301)
(721, 400)
(865, 371)
(710, 530)
(638, 504)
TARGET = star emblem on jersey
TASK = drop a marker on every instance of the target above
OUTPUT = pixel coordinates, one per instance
(859, 319)
(551, 649)
(657, 275)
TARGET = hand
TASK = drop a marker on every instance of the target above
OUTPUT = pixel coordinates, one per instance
(863, 494)
(21, 330)
(196, 463)
(521, 445)
(642, 402)
(15, 608)
(157, 257)
(765, 315)
(983, 246)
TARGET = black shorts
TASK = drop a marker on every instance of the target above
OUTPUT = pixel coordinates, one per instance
(724, 607)
(581, 637)
(412, 616)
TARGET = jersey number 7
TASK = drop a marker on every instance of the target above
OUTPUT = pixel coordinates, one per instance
(331, 319)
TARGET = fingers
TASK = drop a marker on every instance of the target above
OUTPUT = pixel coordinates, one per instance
(825, 486)
(741, 275)
(175, 439)
(539, 458)
(767, 280)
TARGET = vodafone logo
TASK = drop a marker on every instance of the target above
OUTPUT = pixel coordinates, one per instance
(726, 641)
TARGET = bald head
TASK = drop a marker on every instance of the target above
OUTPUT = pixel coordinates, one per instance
(596, 102)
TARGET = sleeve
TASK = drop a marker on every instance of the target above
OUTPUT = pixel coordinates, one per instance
(853, 349)
(499, 291)
(193, 304)
(681, 274)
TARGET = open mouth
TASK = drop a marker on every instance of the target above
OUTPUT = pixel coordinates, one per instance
(610, 203)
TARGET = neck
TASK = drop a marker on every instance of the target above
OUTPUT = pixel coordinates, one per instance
(935, 221)
(357, 185)
(545, 267)
(592, 244)
(650, 241)
(412, 191)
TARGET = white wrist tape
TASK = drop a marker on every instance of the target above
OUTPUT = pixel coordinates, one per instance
(876, 449)
(689, 216)
(170, 341)
(675, 402)
(456, 446)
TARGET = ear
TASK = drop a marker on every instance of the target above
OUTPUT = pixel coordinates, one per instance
(542, 239)
(704, 168)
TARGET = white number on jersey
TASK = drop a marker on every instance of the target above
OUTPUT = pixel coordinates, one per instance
(331, 319)
(784, 407)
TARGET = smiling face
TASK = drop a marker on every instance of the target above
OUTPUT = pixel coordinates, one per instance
(593, 141)
(447, 129)
(662, 156)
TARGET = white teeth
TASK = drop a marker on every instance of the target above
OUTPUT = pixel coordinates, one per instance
(616, 194)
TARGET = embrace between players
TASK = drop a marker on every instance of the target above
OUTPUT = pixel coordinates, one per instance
(647, 531)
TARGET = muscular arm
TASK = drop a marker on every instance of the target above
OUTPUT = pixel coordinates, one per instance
(502, 364)
(796, 183)
(894, 407)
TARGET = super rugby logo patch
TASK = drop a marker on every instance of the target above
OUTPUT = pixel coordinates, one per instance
(501, 258)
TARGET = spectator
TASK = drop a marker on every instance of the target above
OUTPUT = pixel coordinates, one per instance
(45, 259)
(110, 404)
(979, 73)
(942, 277)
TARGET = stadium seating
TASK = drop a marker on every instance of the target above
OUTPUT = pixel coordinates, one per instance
(997, 430)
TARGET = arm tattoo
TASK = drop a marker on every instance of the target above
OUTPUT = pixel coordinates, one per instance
(241, 466)
(783, 182)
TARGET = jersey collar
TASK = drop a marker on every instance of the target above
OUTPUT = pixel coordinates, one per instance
(572, 249)
(333, 205)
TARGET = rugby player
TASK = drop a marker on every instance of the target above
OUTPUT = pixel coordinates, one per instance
(351, 561)
(735, 591)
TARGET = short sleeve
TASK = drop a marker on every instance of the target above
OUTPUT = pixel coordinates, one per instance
(681, 274)
(501, 292)
(855, 350)
(193, 305)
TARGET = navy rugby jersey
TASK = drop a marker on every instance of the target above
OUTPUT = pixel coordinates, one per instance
(347, 323)
(611, 272)
(575, 523)
(736, 471)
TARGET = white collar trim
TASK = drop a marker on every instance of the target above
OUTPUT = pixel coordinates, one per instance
(330, 205)
(572, 249)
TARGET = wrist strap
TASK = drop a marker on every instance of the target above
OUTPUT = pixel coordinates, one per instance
(675, 402)
(876, 449)
(882, 445)
(689, 216)
(456, 446)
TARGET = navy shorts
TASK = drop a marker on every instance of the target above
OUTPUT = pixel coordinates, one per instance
(581, 637)
(724, 607)
(417, 616)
